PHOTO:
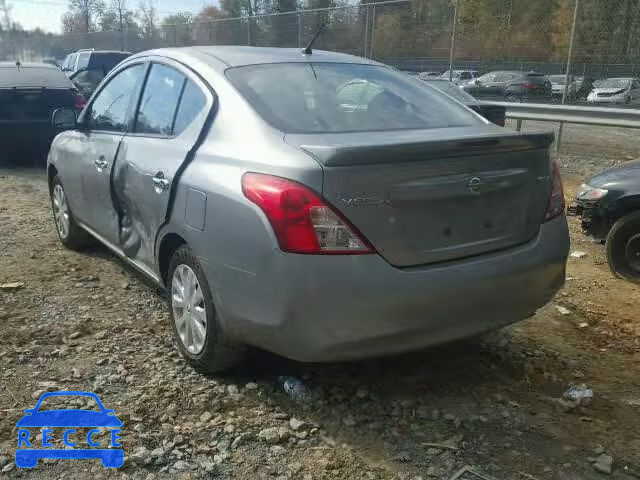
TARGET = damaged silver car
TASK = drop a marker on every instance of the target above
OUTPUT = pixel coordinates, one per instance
(318, 205)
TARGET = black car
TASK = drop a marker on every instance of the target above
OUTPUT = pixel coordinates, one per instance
(493, 113)
(510, 86)
(29, 93)
(609, 206)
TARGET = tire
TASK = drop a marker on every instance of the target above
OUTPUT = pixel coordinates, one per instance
(623, 247)
(210, 354)
(69, 232)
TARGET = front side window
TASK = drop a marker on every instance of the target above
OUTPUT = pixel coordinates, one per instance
(159, 100)
(109, 109)
(344, 97)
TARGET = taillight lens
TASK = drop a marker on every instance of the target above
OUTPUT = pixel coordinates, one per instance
(79, 102)
(528, 85)
(556, 204)
(301, 220)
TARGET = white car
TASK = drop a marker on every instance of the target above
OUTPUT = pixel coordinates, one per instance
(615, 90)
(558, 81)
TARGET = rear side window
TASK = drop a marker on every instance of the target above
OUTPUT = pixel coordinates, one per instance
(83, 60)
(70, 62)
(311, 98)
(192, 103)
(159, 100)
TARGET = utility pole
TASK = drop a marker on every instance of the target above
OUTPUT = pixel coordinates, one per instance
(568, 71)
(453, 39)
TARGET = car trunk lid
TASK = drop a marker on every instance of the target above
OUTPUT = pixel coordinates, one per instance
(434, 195)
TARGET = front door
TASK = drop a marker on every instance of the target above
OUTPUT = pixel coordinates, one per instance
(170, 117)
(103, 125)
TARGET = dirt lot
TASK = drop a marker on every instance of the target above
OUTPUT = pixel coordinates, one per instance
(84, 321)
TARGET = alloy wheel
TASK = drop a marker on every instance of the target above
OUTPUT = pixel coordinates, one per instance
(60, 211)
(189, 309)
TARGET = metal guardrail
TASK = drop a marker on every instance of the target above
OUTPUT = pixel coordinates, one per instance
(609, 117)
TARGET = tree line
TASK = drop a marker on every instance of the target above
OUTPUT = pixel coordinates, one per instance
(607, 31)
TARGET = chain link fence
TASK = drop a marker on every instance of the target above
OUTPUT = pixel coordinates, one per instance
(413, 35)
(581, 41)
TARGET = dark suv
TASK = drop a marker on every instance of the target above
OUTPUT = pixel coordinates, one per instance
(87, 68)
(511, 86)
(83, 59)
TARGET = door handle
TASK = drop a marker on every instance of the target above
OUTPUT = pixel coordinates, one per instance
(101, 163)
(160, 184)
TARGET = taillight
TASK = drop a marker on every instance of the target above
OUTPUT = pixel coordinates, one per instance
(79, 102)
(556, 205)
(528, 85)
(301, 220)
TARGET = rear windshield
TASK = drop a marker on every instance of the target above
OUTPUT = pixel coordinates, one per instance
(344, 97)
(451, 89)
(12, 76)
(613, 83)
(108, 60)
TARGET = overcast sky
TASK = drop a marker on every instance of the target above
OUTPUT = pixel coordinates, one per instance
(46, 14)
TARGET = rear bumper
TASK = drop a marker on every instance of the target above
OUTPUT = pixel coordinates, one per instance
(325, 308)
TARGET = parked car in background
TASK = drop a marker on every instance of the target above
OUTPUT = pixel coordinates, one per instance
(493, 113)
(351, 225)
(609, 206)
(103, 60)
(615, 90)
(87, 68)
(460, 76)
(510, 86)
(29, 93)
(558, 85)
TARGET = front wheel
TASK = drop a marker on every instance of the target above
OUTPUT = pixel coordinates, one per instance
(623, 247)
(194, 320)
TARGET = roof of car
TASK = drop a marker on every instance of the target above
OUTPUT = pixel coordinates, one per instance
(32, 75)
(236, 56)
(92, 51)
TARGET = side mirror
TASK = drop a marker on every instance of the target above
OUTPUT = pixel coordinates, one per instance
(64, 119)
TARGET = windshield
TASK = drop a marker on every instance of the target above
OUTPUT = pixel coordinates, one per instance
(612, 83)
(344, 97)
(451, 89)
(558, 79)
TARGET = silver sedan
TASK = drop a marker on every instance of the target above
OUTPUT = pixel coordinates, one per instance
(318, 205)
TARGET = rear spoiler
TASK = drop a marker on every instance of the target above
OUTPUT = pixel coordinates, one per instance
(406, 146)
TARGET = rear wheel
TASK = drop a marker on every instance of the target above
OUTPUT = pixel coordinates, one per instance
(194, 319)
(70, 234)
(623, 247)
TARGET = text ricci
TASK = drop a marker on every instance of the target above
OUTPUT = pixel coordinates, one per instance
(47, 436)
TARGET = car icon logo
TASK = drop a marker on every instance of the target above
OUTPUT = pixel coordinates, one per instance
(70, 420)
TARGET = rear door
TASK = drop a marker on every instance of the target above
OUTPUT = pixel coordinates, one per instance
(168, 123)
(95, 147)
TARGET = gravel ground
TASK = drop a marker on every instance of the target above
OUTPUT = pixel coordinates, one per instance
(84, 321)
